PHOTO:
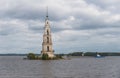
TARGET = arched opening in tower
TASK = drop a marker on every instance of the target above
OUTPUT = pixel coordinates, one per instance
(47, 22)
(47, 39)
(47, 48)
(47, 32)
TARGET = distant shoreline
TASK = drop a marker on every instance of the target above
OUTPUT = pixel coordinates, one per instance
(73, 54)
(13, 54)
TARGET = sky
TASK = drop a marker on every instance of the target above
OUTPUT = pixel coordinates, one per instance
(77, 25)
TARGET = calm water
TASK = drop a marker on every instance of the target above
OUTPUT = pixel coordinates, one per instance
(83, 67)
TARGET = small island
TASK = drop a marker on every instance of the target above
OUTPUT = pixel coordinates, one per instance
(32, 56)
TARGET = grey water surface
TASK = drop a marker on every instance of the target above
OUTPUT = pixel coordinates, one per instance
(79, 67)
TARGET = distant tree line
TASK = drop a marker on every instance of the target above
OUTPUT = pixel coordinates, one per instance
(94, 53)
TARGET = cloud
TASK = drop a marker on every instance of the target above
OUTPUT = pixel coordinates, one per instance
(80, 25)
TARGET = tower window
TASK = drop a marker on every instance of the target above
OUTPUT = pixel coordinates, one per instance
(47, 48)
(47, 39)
(47, 32)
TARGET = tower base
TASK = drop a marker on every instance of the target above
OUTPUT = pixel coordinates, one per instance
(50, 54)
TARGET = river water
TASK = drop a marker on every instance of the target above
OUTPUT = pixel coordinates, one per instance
(76, 67)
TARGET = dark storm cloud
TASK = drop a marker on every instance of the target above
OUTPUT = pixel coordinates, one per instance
(92, 25)
(99, 3)
(22, 13)
(36, 29)
(108, 31)
(111, 5)
(8, 30)
(29, 12)
(54, 30)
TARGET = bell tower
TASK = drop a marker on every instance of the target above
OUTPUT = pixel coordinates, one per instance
(47, 39)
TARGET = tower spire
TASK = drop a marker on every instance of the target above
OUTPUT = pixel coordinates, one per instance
(47, 11)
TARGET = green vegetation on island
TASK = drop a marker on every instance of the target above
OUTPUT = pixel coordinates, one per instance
(32, 56)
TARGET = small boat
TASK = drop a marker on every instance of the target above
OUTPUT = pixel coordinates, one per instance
(82, 54)
(98, 56)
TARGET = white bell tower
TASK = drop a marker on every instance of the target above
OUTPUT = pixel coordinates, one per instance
(47, 39)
